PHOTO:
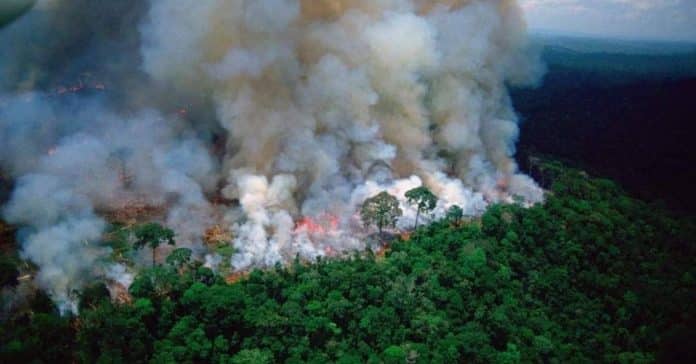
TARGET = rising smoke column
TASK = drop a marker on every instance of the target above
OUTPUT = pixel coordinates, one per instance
(63, 191)
(320, 104)
(330, 91)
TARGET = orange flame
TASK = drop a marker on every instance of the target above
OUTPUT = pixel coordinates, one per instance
(322, 225)
(329, 251)
(236, 277)
(80, 86)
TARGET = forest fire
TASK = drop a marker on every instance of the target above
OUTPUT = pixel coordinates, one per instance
(255, 137)
(286, 181)
(134, 210)
(236, 277)
(217, 235)
(325, 224)
(503, 184)
(79, 87)
(119, 293)
(85, 81)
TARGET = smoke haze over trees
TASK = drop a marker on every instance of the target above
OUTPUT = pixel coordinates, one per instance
(251, 117)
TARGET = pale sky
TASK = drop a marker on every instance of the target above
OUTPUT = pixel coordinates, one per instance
(634, 19)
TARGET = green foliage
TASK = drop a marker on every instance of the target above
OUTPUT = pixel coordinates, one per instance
(37, 338)
(394, 355)
(152, 235)
(455, 214)
(93, 295)
(8, 271)
(424, 200)
(159, 281)
(118, 239)
(254, 356)
(381, 210)
(590, 276)
(179, 257)
(226, 251)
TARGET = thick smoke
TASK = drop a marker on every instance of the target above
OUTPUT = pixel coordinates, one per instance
(274, 119)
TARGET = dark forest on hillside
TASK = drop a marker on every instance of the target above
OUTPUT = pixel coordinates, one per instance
(624, 116)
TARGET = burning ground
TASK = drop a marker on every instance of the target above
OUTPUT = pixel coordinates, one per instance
(269, 121)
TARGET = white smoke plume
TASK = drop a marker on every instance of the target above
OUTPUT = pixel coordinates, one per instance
(272, 118)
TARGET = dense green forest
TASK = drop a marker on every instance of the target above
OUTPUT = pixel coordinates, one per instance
(592, 275)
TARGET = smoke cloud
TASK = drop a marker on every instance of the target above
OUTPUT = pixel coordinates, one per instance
(274, 119)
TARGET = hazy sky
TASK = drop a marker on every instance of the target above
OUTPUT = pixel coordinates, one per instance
(636, 19)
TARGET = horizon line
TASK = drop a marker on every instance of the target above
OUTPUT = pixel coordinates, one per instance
(532, 31)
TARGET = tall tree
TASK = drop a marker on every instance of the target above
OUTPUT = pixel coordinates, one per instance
(423, 200)
(382, 211)
(455, 214)
(152, 235)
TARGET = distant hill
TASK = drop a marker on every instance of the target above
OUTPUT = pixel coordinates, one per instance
(611, 62)
(613, 46)
(625, 114)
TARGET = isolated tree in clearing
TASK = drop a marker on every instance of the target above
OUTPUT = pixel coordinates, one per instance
(381, 210)
(152, 235)
(423, 199)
